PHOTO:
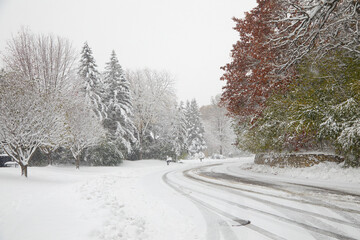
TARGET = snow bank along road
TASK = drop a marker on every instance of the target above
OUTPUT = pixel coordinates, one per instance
(278, 208)
(149, 200)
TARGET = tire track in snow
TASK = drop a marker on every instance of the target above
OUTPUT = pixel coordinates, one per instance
(308, 227)
(281, 206)
(355, 198)
(344, 212)
(214, 224)
(229, 177)
(228, 233)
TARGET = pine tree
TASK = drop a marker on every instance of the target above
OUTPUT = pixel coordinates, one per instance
(119, 112)
(93, 87)
(195, 129)
(179, 131)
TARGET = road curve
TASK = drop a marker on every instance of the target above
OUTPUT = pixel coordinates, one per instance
(237, 207)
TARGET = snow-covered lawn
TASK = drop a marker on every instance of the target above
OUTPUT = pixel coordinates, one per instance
(125, 202)
(131, 201)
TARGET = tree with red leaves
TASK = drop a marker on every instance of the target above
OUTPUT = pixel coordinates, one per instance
(251, 77)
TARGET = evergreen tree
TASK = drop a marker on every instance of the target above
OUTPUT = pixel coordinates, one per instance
(179, 131)
(195, 129)
(119, 111)
(93, 87)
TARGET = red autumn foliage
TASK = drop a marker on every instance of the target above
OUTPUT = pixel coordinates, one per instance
(251, 77)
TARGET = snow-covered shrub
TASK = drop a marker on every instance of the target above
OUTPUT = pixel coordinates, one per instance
(105, 154)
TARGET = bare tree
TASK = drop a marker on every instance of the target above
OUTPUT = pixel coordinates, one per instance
(152, 95)
(83, 128)
(219, 134)
(28, 119)
(45, 59)
(39, 73)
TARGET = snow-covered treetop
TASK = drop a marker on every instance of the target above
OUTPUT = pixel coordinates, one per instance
(87, 68)
(46, 60)
(118, 101)
(113, 69)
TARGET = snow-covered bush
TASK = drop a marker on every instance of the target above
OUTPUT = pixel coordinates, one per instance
(105, 154)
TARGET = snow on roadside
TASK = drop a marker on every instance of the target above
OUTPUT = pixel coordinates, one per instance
(322, 171)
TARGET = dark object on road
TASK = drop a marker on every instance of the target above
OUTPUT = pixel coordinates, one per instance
(3, 159)
(242, 223)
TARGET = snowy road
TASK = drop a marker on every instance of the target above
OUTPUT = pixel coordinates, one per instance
(278, 208)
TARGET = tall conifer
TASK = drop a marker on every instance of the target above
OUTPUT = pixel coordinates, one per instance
(93, 87)
(118, 122)
(195, 129)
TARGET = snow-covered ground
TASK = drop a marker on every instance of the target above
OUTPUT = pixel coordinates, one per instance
(126, 202)
(329, 171)
(142, 200)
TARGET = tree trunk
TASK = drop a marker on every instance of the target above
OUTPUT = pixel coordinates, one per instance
(77, 162)
(24, 170)
(48, 156)
(221, 150)
(140, 148)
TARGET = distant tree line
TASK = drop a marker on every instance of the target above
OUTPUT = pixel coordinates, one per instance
(219, 131)
(59, 109)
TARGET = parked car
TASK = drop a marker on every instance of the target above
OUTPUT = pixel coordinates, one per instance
(3, 159)
(11, 164)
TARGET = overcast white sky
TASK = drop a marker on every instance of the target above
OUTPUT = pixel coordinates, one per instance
(191, 39)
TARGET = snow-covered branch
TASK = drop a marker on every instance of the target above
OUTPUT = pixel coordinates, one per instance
(83, 128)
(320, 24)
(28, 119)
(153, 95)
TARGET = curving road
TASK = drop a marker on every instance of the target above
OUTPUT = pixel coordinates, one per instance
(237, 204)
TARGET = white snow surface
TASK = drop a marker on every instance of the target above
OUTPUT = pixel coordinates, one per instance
(329, 171)
(127, 202)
